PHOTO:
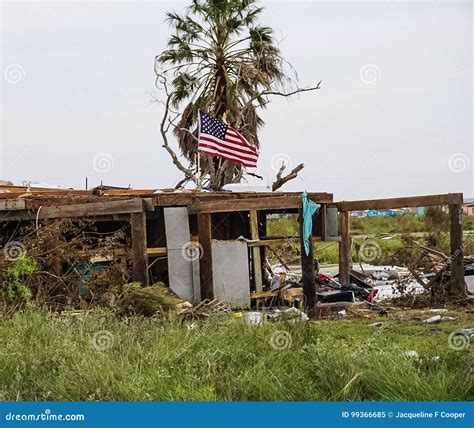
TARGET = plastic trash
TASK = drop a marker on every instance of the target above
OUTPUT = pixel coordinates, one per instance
(296, 312)
(438, 318)
(253, 318)
(434, 320)
(381, 275)
(448, 319)
(376, 324)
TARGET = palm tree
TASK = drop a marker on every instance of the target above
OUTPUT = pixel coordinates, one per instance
(220, 61)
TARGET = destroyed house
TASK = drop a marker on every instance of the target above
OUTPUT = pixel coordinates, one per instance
(205, 245)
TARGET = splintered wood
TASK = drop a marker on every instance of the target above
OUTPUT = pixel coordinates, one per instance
(204, 309)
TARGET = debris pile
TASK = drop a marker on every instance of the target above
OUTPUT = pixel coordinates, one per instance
(70, 265)
(148, 301)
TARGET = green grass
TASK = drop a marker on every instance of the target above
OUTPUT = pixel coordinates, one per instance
(47, 358)
(328, 252)
(408, 223)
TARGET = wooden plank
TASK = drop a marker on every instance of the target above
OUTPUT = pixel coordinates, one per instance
(257, 261)
(264, 295)
(12, 204)
(271, 203)
(124, 192)
(307, 269)
(139, 247)
(205, 262)
(408, 202)
(156, 251)
(457, 257)
(273, 241)
(34, 202)
(191, 198)
(78, 210)
(344, 249)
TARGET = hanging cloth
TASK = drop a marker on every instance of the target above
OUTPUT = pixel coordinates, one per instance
(310, 208)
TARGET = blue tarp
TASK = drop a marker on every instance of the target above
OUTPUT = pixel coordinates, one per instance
(310, 208)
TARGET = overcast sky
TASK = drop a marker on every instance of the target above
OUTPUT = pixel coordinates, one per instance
(393, 116)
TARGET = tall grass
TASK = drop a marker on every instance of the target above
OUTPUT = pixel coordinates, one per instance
(47, 358)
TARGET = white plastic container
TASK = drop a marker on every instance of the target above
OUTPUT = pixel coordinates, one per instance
(253, 318)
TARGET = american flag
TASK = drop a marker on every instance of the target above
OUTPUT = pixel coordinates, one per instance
(221, 140)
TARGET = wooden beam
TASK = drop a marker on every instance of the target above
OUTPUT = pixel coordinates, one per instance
(273, 241)
(457, 258)
(205, 262)
(157, 251)
(307, 269)
(344, 249)
(77, 210)
(139, 247)
(12, 204)
(394, 203)
(192, 198)
(264, 295)
(247, 204)
(257, 261)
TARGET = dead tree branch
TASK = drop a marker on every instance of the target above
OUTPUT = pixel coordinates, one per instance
(164, 128)
(296, 91)
(249, 103)
(280, 180)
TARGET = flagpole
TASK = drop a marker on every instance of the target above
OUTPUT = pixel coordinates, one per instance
(199, 169)
(198, 154)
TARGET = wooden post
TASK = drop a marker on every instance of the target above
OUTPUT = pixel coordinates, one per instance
(307, 270)
(257, 261)
(205, 263)
(344, 249)
(457, 257)
(139, 246)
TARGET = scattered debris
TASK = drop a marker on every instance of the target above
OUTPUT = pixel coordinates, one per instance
(411, 354)
(376, 324)
(253, 318)
(434, 320)
(148, 301)
(438, 318)
(204, 308)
